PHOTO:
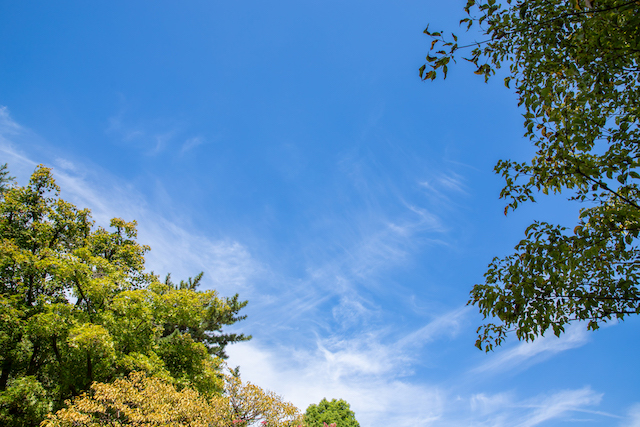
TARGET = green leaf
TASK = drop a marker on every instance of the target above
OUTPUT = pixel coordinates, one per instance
(577, 82)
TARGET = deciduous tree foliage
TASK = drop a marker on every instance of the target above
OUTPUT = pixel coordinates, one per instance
(251, 405)
(142, 401)
(152, 402)
(575, 68)
(325, 413)
(77, 306)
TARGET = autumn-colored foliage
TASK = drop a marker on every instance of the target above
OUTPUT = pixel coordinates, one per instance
(141, 401)
(251, 404)
(144, 401)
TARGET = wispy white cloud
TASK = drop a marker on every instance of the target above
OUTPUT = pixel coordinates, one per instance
(528, 353)
(442, 186)
(361, 371)
(484, 404)
(8, 126)
(426, 220)
(351, 310)
(347, 274)
(152, 136)
(448, 324)
(126, 132)
(376, 380)
(372, 370)
(375, 250)
(506, 410)
(227, 264)
(192, 143)
(11, 134)
(65, 164)
(559, 404)
(633, 417)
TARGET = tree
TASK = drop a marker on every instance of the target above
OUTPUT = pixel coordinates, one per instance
(152, 402)
(326, 413)
(141, 401)
(5, 178)
(575, 65)
(251, 405)
(76, 306)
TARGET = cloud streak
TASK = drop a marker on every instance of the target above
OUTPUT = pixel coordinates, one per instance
(371, 370)
(527, 353)
(152, 136)
(361, 371)
(227, 264)
(633, 417)
(559, 404)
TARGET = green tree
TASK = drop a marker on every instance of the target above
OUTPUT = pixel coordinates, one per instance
(76, 306)
(5, 179)
(335, 412)
(575, 66)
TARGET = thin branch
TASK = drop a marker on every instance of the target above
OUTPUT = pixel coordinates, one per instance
(541, 23)
(604, 186)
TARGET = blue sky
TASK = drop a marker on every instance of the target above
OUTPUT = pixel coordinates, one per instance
(289, 150)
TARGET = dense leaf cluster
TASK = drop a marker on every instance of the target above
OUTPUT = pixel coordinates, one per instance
(138, 400)
(334, 412)
(575, 66)
(76, 306)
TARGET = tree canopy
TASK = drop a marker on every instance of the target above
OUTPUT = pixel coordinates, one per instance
(250, 405)
(77, 306)
(142, 401)
(574, 65)
(153, 402)
(336, 411)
